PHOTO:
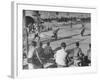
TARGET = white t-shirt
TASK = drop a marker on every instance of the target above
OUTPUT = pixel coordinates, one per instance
(60, 57)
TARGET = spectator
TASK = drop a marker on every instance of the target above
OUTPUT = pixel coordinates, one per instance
(38, 56)
(48, 51)
(30, 54)
(85, 61)
(89, 52)
(40, 51)
(77, 54)
(31, 49)
(60, 56)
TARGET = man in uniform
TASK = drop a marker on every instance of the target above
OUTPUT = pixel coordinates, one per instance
(83, 30)
(55, 34)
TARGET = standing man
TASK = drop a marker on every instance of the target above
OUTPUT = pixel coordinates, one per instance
(83, 30)
(39, 55)
(60, 56)
(55, 33)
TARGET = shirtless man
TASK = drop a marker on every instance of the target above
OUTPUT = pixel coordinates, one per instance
(77, 54)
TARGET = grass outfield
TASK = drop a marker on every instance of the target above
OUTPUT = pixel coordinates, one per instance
(68, 35)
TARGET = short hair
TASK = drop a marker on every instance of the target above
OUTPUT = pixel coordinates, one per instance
(77, 44)
(48, 43)
(63, 44)
(34, 43)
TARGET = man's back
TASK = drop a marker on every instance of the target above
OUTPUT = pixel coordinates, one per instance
(77, 51)
(48, 52)
(60, 57)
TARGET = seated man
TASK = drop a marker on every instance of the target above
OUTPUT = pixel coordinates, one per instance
(85, 60)
(35, 54)
(77, 54)
(30, 56)
(60, 56)
(40, 53)
(48, 51)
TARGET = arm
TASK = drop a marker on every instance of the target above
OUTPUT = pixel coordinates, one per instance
(38, 57)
